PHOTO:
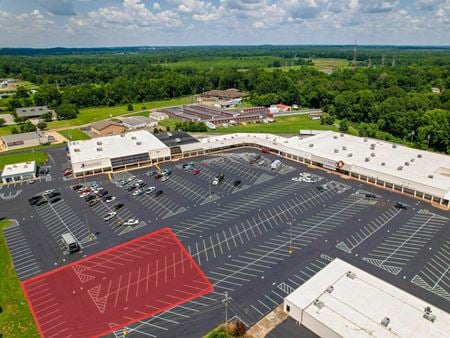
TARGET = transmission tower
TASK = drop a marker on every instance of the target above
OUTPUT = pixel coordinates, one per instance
(382, 61)
(354, 54)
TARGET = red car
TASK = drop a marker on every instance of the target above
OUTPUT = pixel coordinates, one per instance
(195, 171)
(67, 172)
(265, 150)
(158, 176)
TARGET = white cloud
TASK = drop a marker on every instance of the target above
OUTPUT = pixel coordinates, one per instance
(443, 13)
(24, 22)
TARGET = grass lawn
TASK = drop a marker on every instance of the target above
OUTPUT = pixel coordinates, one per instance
(38, 156)
(74, 134)
(6, 130)
(16, 319)
(88, 115)
(329, 63)
(282, 125)
(170, 122)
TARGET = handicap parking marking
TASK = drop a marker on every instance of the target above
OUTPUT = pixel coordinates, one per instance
(23, 259)
(435, 276)
(404, 244)
(363, 234)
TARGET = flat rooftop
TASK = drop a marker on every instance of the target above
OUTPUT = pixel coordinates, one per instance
(19, 168)
(136, 142)
(358, 303)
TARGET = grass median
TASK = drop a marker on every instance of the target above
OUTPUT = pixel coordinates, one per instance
(38, 156)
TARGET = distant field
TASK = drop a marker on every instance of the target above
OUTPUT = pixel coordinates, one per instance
(227, 62)
(16, 319)
(38, 156)
(282, 125)
(74, 134)
(88, 115)
(330, 64)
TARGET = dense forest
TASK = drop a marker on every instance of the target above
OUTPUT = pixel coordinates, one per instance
(391, 93)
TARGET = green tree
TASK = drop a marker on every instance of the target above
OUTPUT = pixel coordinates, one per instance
(14, 130)
(47, 117)
(21, 92)
(2, 122)
(27, 127)
(130, 107)
(41, 125)
(344, 125)
(66, 111)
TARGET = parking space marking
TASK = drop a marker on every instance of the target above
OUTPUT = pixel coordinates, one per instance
(435, 276)
(59, 218)
(404, 244)
(189, 190)
(367, 231)
(161, 205)
(22, 257)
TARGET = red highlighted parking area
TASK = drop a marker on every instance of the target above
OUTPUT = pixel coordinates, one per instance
(116, 287)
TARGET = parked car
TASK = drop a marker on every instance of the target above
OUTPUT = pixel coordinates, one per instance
(322, 188)
(164, 178)
(237, 183)
(57, 199)
(90, 198)
(265, 150)
(262, 162)
(131, 221)
(93, 202)
(159, 192)
(109, 198)
(102, 193)
(219, 178)
(35, 199)
(67, 172)
(149, 190)
(166, 172)
(118, 206)
(44, 171)
(41, 202)
(84, 194)
(76, 187)
(109, 215)
(48, 192)
(401, 205)
(138, 183)
(158, 176)
(138, 192)
(195, 171)
(188, 166)
(370, 196)
(275, 164)
(152, 173)
(130, 188)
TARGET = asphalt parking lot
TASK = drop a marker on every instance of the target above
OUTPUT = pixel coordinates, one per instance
(257, 240)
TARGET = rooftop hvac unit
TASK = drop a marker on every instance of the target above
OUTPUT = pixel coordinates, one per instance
(367, 159)
(335, 136)
(394, 146)
(399, 168)
(419, 155)
(430, 176)
(428, 314)
(412, 160)
(344, 148)
(372, 154)
(122, 135)
(350, 275)
(138, 143)
(385, 321)
(342, 134)
(349, 155)
(406, 163)
(99, 143)
(319, 303)
(365, 139)
(330, 289)
(311, 145)
(77, 150)
(336, 150)
(383, 163)
(99, 149)
(133, 137)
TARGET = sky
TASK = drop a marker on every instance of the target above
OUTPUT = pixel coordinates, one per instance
(103, 23)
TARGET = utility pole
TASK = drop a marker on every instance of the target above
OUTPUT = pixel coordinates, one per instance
(226, 301)
(354, 54)
(393, 62)
(382, 61)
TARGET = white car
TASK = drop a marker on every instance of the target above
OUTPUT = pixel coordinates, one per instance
(85, 194)
(137, 192)
(164, 178)
(48, 192)
(109, 215)
(149, 190)
(215, 181)
(138, 183)
(109, 199)
(296, 179)
(132, 221)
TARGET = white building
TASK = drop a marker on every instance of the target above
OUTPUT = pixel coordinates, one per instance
(344, 301)
(159, 116)
(19, 172)
(138, 122)
(117, 152)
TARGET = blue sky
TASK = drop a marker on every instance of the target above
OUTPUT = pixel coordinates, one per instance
(91, 23)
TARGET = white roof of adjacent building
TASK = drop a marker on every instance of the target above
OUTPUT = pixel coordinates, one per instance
(356, 306)
(136, 142)
(137, 120)
(19, 168)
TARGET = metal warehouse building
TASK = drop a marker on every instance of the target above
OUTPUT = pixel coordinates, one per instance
(117, 152)
(344, 301)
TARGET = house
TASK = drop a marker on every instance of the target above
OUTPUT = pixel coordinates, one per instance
(283, 108)
(315, 115)
(17, 141)
(138, 122)
(158, 116)
(229, 97)
(19, 172)
(31, 111)
(107, 127)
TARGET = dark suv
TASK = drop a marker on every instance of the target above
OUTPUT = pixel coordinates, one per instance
(401, 205)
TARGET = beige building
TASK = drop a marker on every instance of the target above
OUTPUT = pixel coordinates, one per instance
(158, 116)
(24, 140)
(107, 127)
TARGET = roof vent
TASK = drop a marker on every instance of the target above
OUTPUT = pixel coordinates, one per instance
(430, 176)
(399, 167)
(99, 149)
(365, 139)
(122, 135)
(385, 322)
(311, 145)
(336, 150)
(344, 148)
(367, 159)
(407, 163)
(335, 136)
(419, 155)
(138, 143)
(383, 163)
(349, 155)
(99, 143)
(318, 303)
(412, 160)
(372, 154)
(427, 314)
(394, 145)
(350, 275)
(342, 134)
(133, 137)
(330, 289)
(77, 150)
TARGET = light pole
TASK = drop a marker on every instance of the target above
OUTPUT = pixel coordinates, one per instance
(226, 301)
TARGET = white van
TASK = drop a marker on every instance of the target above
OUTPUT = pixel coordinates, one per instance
(275, 164)
(70, 243)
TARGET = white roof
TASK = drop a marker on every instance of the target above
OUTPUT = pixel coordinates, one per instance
(136, 142)
(19, 168)
(356, 307)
